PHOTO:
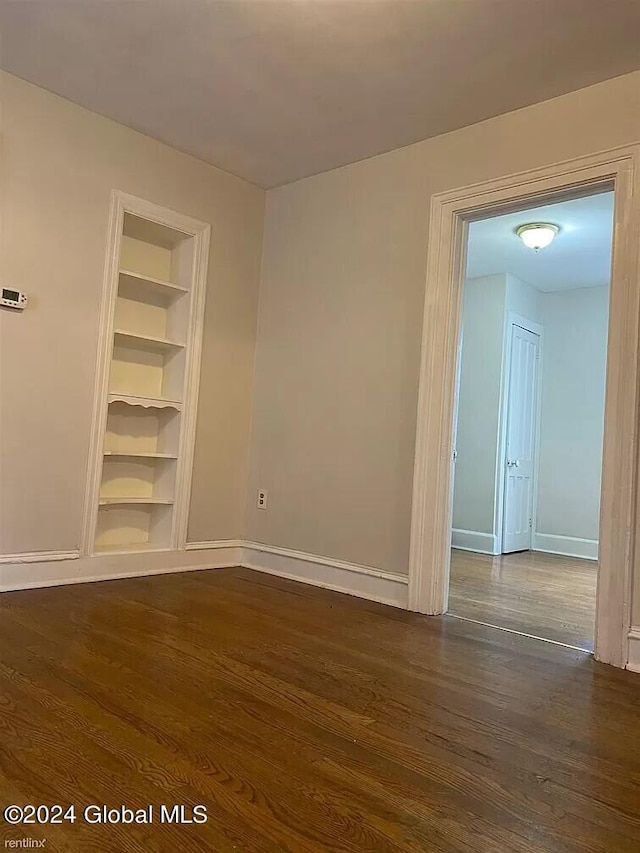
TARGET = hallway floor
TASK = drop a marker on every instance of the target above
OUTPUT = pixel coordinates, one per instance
(545, 595)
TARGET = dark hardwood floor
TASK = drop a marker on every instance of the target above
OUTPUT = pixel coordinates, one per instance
(545, 595)
(306, 720)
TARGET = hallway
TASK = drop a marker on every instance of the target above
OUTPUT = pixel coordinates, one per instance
(546, 595)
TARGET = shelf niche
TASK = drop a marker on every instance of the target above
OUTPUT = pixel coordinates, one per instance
(126, 528)
(138, 478)
(142, 371)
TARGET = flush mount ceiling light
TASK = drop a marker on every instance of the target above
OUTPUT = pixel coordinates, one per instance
(537, 235)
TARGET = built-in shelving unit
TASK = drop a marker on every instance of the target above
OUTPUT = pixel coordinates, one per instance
(154, 303)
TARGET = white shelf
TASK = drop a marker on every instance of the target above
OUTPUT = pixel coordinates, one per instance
(145, 342)
(135, 280)
(141, 455)
(137, 501)
(146, 402)
(152, 231)
(133, 548)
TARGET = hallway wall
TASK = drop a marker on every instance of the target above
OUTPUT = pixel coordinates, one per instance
(572, 420)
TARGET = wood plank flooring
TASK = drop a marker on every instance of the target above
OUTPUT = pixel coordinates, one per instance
(545, 595)
(305, 720)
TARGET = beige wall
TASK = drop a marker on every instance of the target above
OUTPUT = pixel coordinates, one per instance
(340, 321)
(59, 165)
(478, 436)
(574, 358)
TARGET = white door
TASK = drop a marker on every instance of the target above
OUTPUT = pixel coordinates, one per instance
(521, 440)
(456, 407)
(456, 401)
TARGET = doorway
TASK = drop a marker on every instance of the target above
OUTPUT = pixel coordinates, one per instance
(529, 428)
(433, 493)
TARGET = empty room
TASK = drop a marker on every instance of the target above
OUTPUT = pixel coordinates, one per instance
(319, 395)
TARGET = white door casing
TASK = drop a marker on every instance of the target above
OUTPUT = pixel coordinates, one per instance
(430, 542)
(519, 461)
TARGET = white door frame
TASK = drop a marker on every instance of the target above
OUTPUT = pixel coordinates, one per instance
(429, 556)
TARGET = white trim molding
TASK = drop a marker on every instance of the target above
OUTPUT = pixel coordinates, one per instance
(474, 540)
(350, 578)
(38, 557)
(429, 555)
(633, 662)
(567, 546)
(214, 544)
(53, 572)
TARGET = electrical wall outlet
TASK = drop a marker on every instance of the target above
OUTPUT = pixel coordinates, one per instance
(261, 501)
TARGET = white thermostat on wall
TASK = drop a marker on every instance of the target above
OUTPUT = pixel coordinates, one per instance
(13, 298)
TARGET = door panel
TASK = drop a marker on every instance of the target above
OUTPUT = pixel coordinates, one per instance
(456, 408)
(521, 440)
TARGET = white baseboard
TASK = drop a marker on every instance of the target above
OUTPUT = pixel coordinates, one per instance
(634, 649)
(350, 578)
(567, 546)
(473, 540)
(58, 571)
(29, 571)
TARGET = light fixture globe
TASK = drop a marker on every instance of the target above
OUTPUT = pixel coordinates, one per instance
(537, 235)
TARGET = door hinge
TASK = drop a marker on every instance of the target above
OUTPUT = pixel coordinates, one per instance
(530, 522)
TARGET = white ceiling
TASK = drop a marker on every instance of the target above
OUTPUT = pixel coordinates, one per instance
(580, 255)
(274, 90)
